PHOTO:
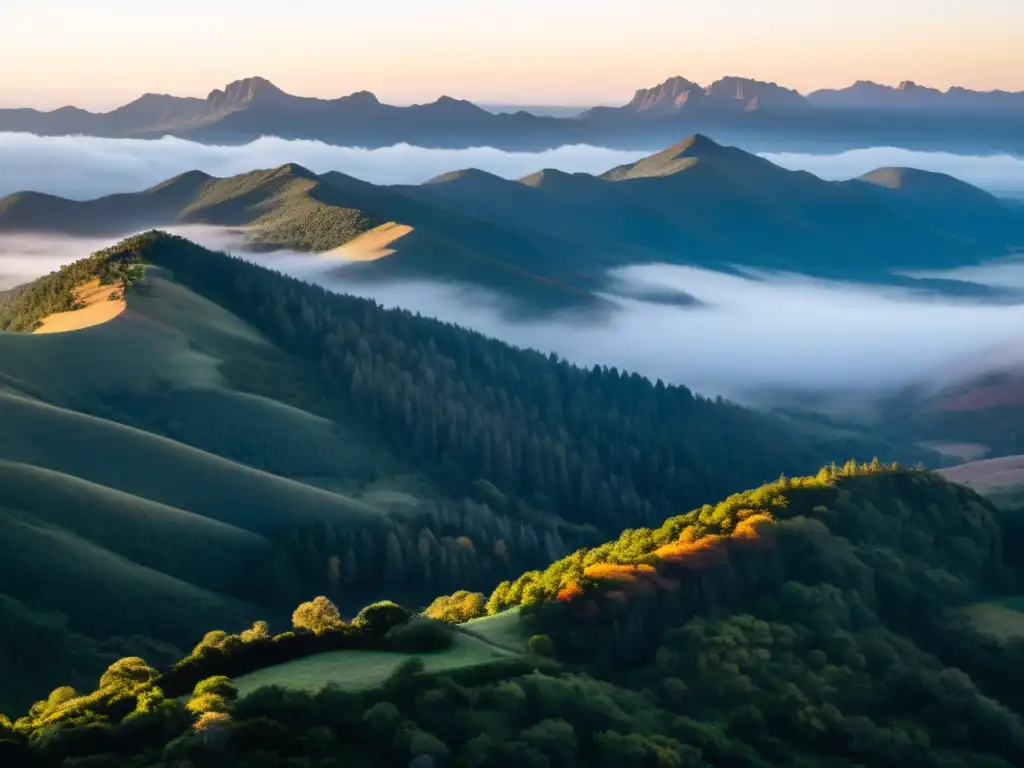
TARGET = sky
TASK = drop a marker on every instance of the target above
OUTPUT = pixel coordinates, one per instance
(102, 53)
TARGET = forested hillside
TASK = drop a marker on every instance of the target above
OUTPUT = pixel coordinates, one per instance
(815, 621)
(360, 452)
(601, 446)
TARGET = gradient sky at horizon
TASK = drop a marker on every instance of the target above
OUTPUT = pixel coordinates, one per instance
(102, 53)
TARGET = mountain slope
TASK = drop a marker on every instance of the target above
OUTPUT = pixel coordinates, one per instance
(700, 202)
(292, 208)
(819, 621)
(944, 204)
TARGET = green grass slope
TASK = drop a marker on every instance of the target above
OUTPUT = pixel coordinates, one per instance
(357, 670)
(182, 544)
(47, 565)
(163, 470)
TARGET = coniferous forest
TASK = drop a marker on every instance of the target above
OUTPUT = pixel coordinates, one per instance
(599, 447)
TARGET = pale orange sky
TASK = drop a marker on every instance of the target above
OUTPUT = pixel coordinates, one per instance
(102, 53)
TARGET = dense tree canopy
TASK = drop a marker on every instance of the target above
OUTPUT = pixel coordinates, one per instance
(811, 622)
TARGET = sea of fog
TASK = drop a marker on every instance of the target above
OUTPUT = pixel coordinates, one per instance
(81, 167)
(750, 333)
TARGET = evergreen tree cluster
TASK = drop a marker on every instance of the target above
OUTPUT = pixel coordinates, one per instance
(596, 446)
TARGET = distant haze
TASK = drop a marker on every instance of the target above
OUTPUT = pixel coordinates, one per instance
(84, 167)
(778, 331)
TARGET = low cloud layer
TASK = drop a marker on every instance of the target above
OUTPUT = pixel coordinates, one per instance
(750, 333)
(25, 257)
(83, 167)
(999, 174)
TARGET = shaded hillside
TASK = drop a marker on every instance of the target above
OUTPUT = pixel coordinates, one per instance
(820, 621)
(702, 203)
(944, 204)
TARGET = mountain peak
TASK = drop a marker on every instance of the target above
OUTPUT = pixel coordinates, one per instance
(362, 97)
(930, 185)
(750, 94)
(676, 158)
(466, 175)
(241, 93)
(296, 170)
(669, 96)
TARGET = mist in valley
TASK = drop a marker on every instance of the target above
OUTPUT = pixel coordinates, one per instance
(82, 167)
(747, 334)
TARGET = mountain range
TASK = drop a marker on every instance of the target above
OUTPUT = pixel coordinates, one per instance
(551, 237)
(755, 114)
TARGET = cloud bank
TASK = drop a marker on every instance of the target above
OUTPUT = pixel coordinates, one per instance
(24, 257)
(82, 167)
(998, 174)
(766, 331)
(751, 333)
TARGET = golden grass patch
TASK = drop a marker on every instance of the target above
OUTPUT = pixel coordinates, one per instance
(372, 245)
(97, 308)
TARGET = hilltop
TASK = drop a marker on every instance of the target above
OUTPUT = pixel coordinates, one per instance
(828, 620)
(346, 448)
(759, 115)
(549, 239)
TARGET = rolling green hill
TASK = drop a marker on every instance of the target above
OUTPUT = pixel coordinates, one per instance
(818, 621)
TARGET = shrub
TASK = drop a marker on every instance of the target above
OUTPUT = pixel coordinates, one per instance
(127, 671)
(541, 645)
(457, 608)
(211, 639)
(418, 636)
(319, 615)
(219, 685)
(378, 618)
(260, 630)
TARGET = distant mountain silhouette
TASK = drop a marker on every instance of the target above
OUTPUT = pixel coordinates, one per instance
(754, 114)
(908, 95)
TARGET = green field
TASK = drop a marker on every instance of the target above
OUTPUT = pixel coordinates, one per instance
(502, 629)
(360, 670)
